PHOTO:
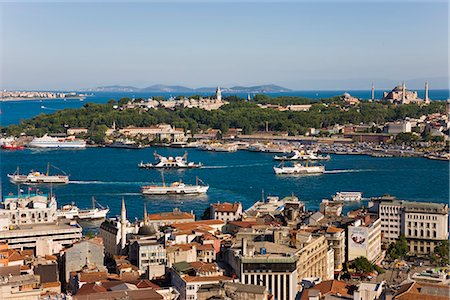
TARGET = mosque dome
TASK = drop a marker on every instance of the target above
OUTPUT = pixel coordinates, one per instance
(398, 88)
(147, 230)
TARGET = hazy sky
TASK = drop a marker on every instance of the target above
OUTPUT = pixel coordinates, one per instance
(300, 45)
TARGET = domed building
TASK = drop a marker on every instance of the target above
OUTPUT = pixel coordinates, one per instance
(401, 95)
(349, 99)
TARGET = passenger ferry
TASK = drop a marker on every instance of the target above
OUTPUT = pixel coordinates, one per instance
(176, 188)
(71, 211)
(55, 142)
(36, 177)
(298, 168)
(177, 162)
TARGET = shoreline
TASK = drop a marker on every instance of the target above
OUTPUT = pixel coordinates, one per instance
(44, 99)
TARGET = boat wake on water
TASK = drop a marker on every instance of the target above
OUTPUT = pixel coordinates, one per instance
(105, 182)
(235, 166)
(347, 171)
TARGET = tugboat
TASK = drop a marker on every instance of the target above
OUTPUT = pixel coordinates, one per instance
(36, 177)
(177, 162)
(176, 188)
(71, 211)
(298, 168)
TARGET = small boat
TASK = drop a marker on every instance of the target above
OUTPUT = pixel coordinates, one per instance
(177, 162)
(71, 211)
(176, 188)
(36, 177)
(12, 146)
(298, 168)
(347, 196)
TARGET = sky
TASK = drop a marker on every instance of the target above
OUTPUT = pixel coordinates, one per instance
(298, 45)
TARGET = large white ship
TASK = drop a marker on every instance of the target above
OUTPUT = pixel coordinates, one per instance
(177, 162)
(55, 142)
(176, 188)
(36, 177)
(71, 211)
(298, 168)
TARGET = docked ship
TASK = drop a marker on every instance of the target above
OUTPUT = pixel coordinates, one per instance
(299, 155)
(125, 144)
(56, 142)
(71, 211)
(176, 188)
(36, 177)
(177, 162)
(347, 196)
(298, 168)
(219, 147)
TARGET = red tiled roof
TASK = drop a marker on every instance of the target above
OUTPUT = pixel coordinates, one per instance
(329, 287)
(90, 288)
(226, 207)
(422, 291)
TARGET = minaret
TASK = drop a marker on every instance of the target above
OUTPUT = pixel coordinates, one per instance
(427, 100)
(373, 92)
(123, 226)
(403, 92)
(218, 94)
(145, 213)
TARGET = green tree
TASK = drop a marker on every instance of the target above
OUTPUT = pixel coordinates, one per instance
(399, 249)
(362, 265)
(440, 255)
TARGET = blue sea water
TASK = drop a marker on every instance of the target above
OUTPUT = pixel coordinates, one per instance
(12, 112)
(108, 174)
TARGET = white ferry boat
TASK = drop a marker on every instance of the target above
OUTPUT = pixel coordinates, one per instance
(55, 142)
(36, 177)
(71, 211)
(300, 155)
(347, 196)
(298, 168)
(176, 188)
(177, 162)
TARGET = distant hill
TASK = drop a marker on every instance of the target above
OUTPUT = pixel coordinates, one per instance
(161, 88)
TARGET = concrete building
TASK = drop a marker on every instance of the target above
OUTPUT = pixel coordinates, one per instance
(89, 252)
(157, 132)
(188, 278)
(226, 211)
(369, 291)
(20, 287)
(314, 256)
(267, 264)
(364, 238)
(336, 241)
(423, 224)
(398, 127)
(232, 290)
(148, 255)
